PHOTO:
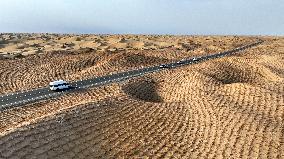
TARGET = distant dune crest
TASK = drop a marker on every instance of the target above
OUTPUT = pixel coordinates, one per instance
(230, 107)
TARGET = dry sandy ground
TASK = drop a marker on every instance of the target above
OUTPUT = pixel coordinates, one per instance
(27, 44)
(224, 108)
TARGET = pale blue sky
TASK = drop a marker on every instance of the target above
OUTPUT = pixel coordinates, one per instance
(238, 17)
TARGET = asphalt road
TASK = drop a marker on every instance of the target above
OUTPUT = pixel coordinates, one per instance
(20, 98)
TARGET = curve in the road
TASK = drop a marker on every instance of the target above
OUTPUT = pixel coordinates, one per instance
(19, 98)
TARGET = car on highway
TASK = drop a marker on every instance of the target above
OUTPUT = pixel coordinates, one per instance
(167, 66)
(59, 85)
(182, 61)
(164, 66)
(194, 59)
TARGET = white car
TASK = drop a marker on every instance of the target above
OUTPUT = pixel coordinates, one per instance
(182, 61)
(164, 66)
(58, 85)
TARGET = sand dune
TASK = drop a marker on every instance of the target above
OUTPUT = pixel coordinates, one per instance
(223, 108)
(27, 44)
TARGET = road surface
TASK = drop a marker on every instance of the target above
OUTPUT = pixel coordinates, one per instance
(20, 98)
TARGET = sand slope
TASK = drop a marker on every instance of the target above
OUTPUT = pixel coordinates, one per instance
(224, 108)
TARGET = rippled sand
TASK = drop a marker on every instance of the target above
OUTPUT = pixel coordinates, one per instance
(223, 108)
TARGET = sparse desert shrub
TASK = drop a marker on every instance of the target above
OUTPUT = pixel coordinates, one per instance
(86, 49)
(78, 39)
(3, 41)
(191, 114)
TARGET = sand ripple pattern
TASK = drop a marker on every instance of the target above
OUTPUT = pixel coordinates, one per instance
(224, 108)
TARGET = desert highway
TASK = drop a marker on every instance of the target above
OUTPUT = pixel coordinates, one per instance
(20, 98)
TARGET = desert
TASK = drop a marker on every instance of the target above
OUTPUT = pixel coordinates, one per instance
(230, 107)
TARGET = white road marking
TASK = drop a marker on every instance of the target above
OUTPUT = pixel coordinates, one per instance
(127, 76)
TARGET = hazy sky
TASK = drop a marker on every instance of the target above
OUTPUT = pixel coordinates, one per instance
(245, 17)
